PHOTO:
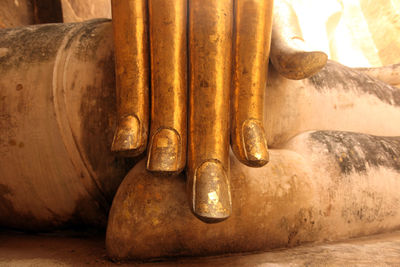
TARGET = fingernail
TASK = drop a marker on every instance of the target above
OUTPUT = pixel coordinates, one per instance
(211, 193)
(255, 144)
(165, 152)
(127, 135)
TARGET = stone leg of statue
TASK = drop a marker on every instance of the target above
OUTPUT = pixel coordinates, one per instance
(132, 76)
(252, 18)
(318, 186)
(210, 45)
(289, 53)
(322, 186)
(388, 74)
(337, 97)
(168, 45)
(312, 190)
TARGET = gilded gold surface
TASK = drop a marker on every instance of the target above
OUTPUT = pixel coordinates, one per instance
(289, 53)
(212, 197)
(254, 142)
(199, 128)
(252, 44)
(168, 42)
(165, 152)
(210, 46)
(132, 75)
(126, 137)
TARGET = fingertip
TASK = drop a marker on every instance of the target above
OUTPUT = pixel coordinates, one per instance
(254, 143)
(301, 64)
(165, 153)
(211, 196)
(128, 139)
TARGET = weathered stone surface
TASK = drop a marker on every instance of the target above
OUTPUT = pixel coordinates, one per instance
(57, 113)
(70, 69)
(323, 186)
(389, 74)
(336, 98)
(73, 64)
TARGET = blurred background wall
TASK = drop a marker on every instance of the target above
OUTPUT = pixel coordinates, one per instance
(16, 13)
(357, 33)
(81, 10)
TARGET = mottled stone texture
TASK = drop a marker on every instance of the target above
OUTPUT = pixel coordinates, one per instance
(57, 113)
(325, 185)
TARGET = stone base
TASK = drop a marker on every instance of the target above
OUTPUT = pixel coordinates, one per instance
(50, 250)
(322, 186)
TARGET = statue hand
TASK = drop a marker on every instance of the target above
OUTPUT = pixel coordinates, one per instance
(204, 103)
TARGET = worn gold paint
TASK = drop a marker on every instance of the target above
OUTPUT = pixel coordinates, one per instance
(254, 143)
(155, 221)
(252, 45)
(289, 53)
(210, 45)
(126, 136)
(165, 152)
(211, 200)
(132, 75)
(168, 42)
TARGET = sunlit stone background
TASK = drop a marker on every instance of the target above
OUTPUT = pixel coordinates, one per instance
(357, 33)
(79, 10)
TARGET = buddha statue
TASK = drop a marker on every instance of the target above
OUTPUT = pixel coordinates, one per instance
(330, 170)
